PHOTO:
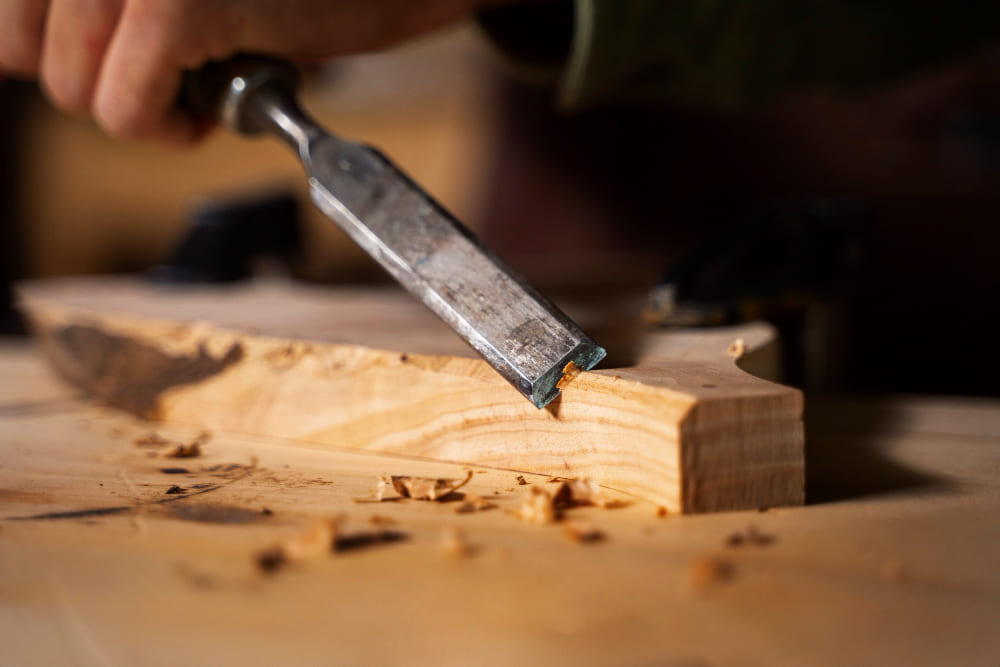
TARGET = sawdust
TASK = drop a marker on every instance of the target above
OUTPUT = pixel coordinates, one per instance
(521, 481)
(662, 511)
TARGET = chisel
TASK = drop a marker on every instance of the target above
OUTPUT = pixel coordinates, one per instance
(529, 341)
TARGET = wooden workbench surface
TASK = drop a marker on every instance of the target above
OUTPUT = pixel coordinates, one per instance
(895, 561)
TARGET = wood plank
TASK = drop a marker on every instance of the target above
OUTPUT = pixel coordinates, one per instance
(908, 573)
(679, 424)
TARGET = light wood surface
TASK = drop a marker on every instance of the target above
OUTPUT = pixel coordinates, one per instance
(678, 424)
(897, 565)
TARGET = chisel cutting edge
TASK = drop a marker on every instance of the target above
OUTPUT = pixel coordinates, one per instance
(519, 332)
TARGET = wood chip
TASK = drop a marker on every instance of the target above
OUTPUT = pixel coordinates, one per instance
(187, 450)
(737, 349)
(473, 503)
(583, 532)
(521, 480)
(569, 373)
(538, 507)
(706, 571)
(317, 540)
(454, 544)
(662, 511)
(422, 488)
(151, 439)
(749, 537)
(577, 492)
(173, 450)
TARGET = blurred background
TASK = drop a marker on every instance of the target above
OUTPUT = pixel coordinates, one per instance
(863, 224)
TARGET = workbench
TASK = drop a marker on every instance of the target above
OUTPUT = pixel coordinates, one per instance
(894, 560)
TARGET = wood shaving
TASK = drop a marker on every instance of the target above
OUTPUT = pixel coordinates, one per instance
(317, 540)
(173, 450)
(521, 480)
(577, 492)
(454, 544)
(181, 451)
(422, 488)
(538, 507)
(570, 372)
(151, 439)
(706, 571)
(749, 537)
(473, 503)
(583, 532)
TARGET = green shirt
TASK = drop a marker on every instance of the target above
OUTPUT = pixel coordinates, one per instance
(728, 52)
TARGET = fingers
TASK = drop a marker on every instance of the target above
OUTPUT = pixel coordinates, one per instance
(140, 79)
(77, 35)
(22, 24)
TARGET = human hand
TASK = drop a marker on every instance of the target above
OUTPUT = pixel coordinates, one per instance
(122, 61)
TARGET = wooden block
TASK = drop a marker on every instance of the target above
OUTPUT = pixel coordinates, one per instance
(368, 369)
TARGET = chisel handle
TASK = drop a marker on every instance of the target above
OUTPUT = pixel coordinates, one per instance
(251, 95)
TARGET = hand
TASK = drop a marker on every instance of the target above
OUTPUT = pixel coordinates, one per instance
(122, 60)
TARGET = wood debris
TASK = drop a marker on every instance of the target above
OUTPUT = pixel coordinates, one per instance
(577, 492)
(317, 540)
(473, 503)
(187, 450)
(737, 349)
(705, 571)
(454, 544)
(569, 373)
(379, 520)
(583, 532)
(172, 450)
(151, 439)
(538, 507)
(521, 481)
(661, 511)
(174, 490)
(749, 537)
(421, 488)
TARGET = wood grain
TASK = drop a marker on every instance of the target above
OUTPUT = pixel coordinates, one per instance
(681, 425)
